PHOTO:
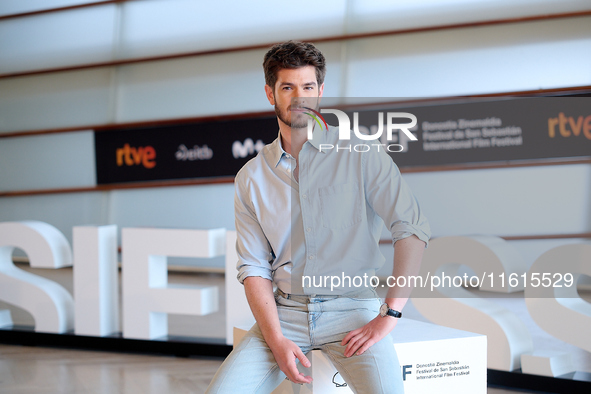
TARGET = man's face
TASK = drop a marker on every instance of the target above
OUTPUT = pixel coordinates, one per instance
(295, 88)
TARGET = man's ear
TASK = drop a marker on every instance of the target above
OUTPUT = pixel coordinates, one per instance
(269, 93)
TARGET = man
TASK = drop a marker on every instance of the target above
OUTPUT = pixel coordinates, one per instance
(304, 214)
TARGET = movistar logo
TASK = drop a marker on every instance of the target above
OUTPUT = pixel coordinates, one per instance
(241, 150)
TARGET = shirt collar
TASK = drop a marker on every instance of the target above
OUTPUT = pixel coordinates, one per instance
(277, 150)
(318, 137)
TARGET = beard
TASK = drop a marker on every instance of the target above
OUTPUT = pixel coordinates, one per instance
(299, 120)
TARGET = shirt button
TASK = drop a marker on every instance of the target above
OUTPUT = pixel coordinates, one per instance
(308, 229)
(304, 196)
(311, 257)
(289, 170)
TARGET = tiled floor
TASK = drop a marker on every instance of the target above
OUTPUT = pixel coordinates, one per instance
(33, 370)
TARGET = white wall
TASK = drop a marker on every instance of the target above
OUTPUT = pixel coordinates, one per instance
(47, 161)
(498, 58)
(521, 56)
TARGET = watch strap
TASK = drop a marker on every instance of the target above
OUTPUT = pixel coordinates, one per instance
(386, 311)
(393, 313)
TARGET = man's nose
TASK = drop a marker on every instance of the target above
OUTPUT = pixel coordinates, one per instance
(298, 100)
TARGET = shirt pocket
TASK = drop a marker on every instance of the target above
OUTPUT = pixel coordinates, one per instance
(341, 205)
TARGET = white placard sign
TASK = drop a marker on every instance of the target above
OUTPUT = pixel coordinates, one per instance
(433, 359)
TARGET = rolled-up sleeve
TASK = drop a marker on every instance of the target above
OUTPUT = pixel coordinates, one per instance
(391, 198)
(254, 252)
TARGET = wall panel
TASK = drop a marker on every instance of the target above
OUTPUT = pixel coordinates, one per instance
(9, 7)
(380, 15)
(490, 59)
(206, 206)
(200, 86)
(47, 161)
(203, 86)
(55, 100)
(170, 26)
(516, 201)
(57, 39)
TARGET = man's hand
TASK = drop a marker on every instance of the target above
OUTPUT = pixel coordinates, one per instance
(361, 339)
(259, 292)
(407, 261)
(285, 353)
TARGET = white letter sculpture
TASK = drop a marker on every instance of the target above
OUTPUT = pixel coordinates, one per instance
(147, 296)
(50, 304)
(456, 307)
(95, 280)
(556, 307)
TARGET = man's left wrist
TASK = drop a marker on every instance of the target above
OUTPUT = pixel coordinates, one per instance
(385, 310)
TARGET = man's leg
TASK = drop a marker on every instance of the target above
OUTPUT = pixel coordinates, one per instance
(377, 370)
(250, 368)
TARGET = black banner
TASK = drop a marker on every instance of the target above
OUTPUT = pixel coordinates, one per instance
(198, 150)
(497, 130)
(468, 132)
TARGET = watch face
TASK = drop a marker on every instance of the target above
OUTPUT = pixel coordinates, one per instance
(383, 309)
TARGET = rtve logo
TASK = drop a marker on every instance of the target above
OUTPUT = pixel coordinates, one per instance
(576, 127)
(132, 156)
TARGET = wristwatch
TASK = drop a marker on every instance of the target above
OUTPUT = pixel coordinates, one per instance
(386, 311)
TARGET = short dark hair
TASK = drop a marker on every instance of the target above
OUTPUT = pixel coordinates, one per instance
(293, 54)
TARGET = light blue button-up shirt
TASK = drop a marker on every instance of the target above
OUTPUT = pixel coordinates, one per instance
(328, 224)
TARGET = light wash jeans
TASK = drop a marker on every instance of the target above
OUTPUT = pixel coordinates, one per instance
(319, 322)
